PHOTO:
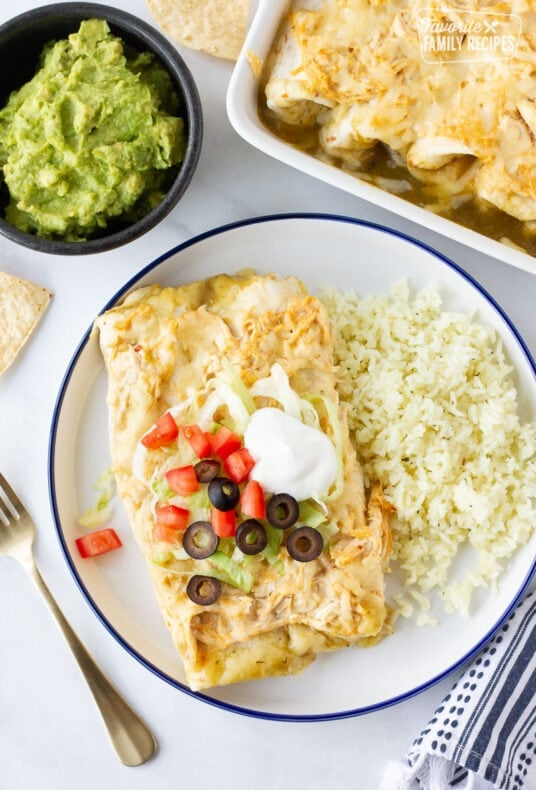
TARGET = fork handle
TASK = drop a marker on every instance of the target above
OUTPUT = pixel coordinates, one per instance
(131, 738)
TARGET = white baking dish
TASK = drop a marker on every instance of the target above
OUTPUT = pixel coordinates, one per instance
(242, 112)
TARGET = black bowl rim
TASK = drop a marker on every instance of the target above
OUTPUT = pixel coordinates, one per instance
(167, 53)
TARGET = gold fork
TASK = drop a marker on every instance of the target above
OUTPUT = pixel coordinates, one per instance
(132, 740)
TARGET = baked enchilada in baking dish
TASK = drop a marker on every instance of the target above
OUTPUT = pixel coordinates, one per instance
(431, 101)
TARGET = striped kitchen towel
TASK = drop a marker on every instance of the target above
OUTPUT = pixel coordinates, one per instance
(483, 735)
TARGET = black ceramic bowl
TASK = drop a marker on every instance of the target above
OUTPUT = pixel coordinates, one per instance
(21, 42)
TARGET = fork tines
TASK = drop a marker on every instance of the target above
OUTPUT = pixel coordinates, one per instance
(10, 504)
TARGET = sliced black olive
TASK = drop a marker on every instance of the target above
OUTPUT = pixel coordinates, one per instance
(305, 544)
(251, 536)
(223, 493)
(206, 470)
(203, 590)
(200, 540)
(282, 511)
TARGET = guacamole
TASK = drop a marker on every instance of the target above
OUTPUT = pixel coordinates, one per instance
(89, 141)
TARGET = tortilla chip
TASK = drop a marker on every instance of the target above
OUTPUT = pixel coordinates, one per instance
(214, 26)
(22, 303)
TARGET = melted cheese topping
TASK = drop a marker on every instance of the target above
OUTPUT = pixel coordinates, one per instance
(462, 120)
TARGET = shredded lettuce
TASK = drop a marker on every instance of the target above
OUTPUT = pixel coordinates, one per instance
(270, 553)
(199, 514)
(101, 511)
(235, 405)
(277, 387)
(198, 500)
(311, 514)
(161, 489)
(239, 387)
(239, 556)
(327, 530)
(336, 437)
(222, 567)
(314, 516)
(227, 545)
(271, 550)
(275, 538)
(204, 417)
(162, 558)
(227, 570)
(180, 410)
(229, 391)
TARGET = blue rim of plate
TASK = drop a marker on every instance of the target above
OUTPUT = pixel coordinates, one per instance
(268, 716)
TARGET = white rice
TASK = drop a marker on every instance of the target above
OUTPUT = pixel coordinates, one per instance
(433, 413)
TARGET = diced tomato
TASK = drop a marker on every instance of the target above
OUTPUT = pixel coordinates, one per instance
(198, 439)
(223, 522)
(170, 519)
(239, 464)
(224, 442)
(98, 542)
(183, 480)
(164, 432)
(165, 533)
(252, 500)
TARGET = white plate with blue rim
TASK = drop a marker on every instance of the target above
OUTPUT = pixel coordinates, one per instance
(320, 249)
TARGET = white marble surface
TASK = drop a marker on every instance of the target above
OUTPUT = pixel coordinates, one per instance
(50, 734)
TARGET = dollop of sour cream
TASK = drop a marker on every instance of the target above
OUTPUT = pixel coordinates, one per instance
(290, 457)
